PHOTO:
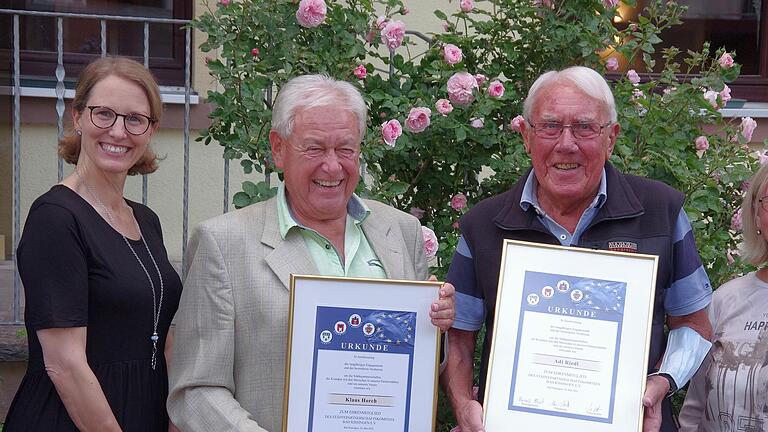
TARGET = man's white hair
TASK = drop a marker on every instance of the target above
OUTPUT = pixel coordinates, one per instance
(313, 91)
(583, 78)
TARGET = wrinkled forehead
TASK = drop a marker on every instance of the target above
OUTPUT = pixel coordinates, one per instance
(562, 101)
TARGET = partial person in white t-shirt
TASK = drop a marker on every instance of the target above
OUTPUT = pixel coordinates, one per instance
(730, 390)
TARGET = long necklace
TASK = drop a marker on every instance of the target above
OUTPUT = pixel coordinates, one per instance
(156, 306)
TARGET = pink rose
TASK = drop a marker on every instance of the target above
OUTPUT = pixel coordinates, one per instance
(446, 25)
(736, 220)
(711, 97)
(612, 64)
(443, 106)
(725, 94)
(633, 77)
(459, 201)
(371, 36)
(702, 143)
(466, 5)
(748, 126)
(418, 119)
(610, 4)
(455, 225)
(460, 87)
(477, 123)
(480, 78)
(430, 242)
(311, 13)
(392, 34)
(726, 60)
(452, 54)
(224, 2)
(381, 22)
(255, 52)
(762, 157)
(360, 72)
(417, 212)
(516, 122)
(638, 94)
(390, 131)
(496, 89)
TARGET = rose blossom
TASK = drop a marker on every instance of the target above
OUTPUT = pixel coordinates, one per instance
(452, 54)
(546, 3)
(392, 34)
(459, 201)
(610, 4)
(633, 77)
(638, 94)
(455, 225)
(418, 119)
(725, 94)
(726, 60)
(224, 2)
(612, 64)
(748, 126)
(446, 25)
(390, 131)
(702, 143)
(255, 52)
(443, 106)
(516, 122)
(430, 242)
(762, 157)
(311, 13)
(736, 220)
(418, 213)
(477, 123)
(496, 89)
(711, 97)
(381, 22)
(360, 72)
(466, 5)
(460, 87)
(480, 78)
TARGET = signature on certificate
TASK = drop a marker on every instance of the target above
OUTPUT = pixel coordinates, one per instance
(561, 404)
(594, 409)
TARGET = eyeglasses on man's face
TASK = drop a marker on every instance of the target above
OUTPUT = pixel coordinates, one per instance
(580, 130)
(105, 118)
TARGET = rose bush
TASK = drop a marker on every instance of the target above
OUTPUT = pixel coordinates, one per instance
(470, 147)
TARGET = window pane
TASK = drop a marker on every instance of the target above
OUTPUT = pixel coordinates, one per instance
(732, 24)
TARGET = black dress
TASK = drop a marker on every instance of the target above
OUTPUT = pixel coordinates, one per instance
(77, 271)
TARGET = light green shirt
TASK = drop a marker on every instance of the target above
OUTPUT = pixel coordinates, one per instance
(360, 259)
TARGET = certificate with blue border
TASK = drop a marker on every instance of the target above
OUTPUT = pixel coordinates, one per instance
(362, 355)
(570, 325)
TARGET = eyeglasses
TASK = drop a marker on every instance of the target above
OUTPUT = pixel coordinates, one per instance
(764, 202)
(581, 130)
(105, 118)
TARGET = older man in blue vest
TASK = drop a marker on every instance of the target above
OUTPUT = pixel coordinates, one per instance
(574, 197)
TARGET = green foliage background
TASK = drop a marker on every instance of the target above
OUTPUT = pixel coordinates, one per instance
(510, 40)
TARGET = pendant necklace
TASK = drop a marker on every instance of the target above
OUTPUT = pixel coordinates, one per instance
(156, 306)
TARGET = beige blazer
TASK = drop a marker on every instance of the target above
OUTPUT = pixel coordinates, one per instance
(228, 365)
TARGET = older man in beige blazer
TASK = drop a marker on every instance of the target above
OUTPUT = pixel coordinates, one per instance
(228, 364)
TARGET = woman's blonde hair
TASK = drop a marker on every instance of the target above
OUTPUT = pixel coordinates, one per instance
(754, 248)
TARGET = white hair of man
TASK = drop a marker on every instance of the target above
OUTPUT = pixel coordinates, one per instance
(313, 91)
(754, 249)
(583, 78)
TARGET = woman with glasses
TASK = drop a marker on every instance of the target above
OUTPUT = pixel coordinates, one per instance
(730, 390)
(100, 291)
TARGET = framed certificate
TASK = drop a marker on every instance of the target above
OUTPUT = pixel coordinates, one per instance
(362, 355)
(570, 339)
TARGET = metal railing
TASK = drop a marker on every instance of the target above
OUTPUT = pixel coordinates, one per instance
(60, 91)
